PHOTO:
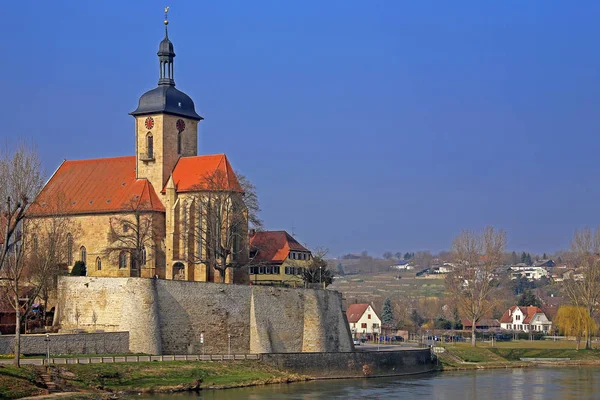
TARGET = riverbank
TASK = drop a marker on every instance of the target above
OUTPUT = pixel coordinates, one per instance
(465, 357)
(107, 380)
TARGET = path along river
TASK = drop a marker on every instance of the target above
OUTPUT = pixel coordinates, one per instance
(528, 383)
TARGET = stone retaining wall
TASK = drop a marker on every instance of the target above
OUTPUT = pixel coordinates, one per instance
(64, 343)
(354, 364)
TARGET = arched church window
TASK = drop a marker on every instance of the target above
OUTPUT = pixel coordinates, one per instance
(122, 259)
(150, 145)
(83, 254)
(99, 264)
(178, 142)
(69, 249)
(143, 256)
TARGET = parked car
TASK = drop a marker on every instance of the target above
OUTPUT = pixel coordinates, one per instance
(356, 342)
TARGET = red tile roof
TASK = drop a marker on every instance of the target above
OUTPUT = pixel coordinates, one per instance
(529, 312)
(95, 186)
(355, 311)
(205, 173)
(274, 246)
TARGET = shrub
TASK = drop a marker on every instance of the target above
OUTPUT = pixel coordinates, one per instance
(78, 269)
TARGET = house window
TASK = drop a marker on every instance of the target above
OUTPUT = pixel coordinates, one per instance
(99, 264)
(69, 249)
(363, 325)
(83, 255)
(123, 260)
(269, 270)
(368, 316)
(276, 270)
(150, 146)
(261, 270)
(518, 317)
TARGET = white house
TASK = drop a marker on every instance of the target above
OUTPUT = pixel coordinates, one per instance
(363, 321)
(531, 273)
(526, 319)
(402, 265)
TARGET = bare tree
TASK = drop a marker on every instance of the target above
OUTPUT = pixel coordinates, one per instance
(47, 241)
(472, 283)
(250, 199)
(585, 250)
(132, 233)
(20, 181)
(218, 222)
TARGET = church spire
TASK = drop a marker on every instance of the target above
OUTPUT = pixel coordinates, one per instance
(165, 56)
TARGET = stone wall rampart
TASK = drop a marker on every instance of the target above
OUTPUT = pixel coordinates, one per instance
(170, 317)
(76, 343)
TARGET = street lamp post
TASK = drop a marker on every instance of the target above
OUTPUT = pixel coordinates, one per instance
(202, 341)
(47, 340)
(320, 276)
(229, 345)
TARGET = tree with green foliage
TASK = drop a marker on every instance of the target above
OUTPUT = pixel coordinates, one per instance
(79, 269)
(575, 321)
(388, 255)
(408, 256)
(528, 298)
(398, 255)
(387, 315)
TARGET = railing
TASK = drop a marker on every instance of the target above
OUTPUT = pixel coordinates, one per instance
(136, 358)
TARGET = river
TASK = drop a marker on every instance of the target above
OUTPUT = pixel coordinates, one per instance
(527, 383)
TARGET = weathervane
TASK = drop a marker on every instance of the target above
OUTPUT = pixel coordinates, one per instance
(166, 20)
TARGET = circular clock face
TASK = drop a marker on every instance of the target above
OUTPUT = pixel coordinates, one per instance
(149, 123)
(180, 125)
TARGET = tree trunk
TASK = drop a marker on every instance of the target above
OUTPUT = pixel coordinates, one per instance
(473, 339)
(17, 349)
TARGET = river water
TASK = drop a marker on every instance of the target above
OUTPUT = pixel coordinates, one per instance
(528, 383)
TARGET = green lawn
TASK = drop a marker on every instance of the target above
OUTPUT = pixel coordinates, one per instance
(515, 350)
(149, 376)
(18, 382)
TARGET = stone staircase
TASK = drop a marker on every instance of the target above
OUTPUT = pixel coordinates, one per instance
(46, 379)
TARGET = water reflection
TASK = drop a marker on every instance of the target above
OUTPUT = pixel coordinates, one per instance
(529, 383)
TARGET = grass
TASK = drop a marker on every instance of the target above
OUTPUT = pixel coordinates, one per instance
(175, 375)
(507, 352)
(18, 382)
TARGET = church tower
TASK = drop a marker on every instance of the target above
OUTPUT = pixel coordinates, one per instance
(166, 122)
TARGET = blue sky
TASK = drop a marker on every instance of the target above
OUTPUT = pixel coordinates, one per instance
(380, 125)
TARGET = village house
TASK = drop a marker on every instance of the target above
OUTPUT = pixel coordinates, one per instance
(186, 202)
(484, 324)
(531, 273)
(526, 319)
(364, 321)
(277, 258)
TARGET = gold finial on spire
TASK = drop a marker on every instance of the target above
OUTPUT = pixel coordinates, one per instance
(167, 15)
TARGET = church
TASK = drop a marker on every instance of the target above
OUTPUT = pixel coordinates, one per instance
(165, 212)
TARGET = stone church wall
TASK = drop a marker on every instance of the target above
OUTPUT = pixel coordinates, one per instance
(169, 317)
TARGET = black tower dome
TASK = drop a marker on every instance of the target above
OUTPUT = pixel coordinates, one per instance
(165, 98)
